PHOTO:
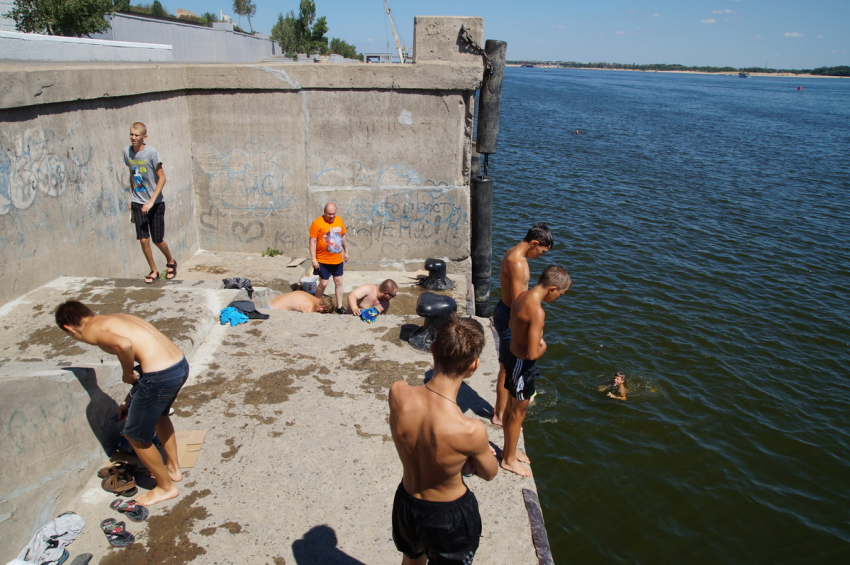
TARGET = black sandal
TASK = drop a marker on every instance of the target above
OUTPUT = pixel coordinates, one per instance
(116, 535)
(152, 277)
(170, 270)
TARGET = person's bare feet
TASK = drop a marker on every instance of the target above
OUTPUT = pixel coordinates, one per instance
(495, 420)
(174, 474)
(515, 467)
(522, 457)
(157, 495)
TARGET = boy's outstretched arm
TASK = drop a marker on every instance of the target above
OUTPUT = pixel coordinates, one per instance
(481, 460)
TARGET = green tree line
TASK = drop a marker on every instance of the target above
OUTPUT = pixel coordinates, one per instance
(841, 71)
(305, 33)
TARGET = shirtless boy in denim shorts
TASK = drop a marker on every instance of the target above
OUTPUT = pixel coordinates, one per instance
(527, 345)
(162, 371)
(435, 516)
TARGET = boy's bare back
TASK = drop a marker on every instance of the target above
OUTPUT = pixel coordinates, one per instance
(434, 440)
(151, 349)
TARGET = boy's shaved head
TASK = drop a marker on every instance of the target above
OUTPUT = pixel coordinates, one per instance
(140, 127)
(389, 285)
(556, 276)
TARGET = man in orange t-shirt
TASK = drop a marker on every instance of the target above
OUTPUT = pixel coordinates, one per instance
(329, 250)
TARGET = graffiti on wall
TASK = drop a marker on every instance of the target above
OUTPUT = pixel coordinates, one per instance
(84, 202)
(402, 220)
(242, 187)
(342, 170)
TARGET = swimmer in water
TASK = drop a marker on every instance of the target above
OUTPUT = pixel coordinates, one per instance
(616, 387)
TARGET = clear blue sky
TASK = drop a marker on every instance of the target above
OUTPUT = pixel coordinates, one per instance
(790, 34)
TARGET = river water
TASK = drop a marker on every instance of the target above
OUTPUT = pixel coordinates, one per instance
(704, 221)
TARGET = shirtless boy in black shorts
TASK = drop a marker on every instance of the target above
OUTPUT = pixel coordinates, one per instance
(527, 345)
(435, 516)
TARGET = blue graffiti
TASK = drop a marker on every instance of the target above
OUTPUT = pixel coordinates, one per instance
(428, 206)
(343, 170)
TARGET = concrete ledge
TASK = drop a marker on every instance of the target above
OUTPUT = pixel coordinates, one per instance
(28, 84)
(35, 47)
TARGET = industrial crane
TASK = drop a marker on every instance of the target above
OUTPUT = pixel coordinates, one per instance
(402, 50)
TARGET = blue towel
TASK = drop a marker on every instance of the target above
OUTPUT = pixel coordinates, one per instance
(369, 314)
(232, 315)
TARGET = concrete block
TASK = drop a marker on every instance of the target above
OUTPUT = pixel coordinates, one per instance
(437, 38)
(36, 47)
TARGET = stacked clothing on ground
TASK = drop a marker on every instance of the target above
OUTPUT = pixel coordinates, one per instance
(239, 282)
(249, 309)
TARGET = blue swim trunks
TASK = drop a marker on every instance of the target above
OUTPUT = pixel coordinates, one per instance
(152, 398)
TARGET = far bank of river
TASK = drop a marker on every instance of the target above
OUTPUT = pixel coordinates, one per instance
(729, 73)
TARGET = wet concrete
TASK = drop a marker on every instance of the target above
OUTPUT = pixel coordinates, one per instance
(298, 465)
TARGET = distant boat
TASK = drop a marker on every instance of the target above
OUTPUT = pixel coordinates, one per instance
(527, 65)
(743, 75)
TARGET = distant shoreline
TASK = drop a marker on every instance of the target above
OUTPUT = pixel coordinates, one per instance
(728, 73)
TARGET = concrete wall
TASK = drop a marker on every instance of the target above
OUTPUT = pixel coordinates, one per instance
(34, 47)
(252, 153)
(63, 196)
(190, 42)
(6, 24)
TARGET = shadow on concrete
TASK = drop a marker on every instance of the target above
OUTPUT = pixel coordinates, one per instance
(319, 546)
(101, 411)
(467, 398)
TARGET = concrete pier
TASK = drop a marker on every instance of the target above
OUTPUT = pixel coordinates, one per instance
(297, 465)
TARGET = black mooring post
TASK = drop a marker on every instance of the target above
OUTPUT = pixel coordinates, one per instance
(481, 199)
(481, 223)
(490, 99)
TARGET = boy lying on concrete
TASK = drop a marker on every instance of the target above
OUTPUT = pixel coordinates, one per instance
(371, 295)
(300, 301)
(435, 516)
(162, 372)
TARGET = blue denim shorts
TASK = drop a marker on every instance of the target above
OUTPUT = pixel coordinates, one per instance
(152, 398)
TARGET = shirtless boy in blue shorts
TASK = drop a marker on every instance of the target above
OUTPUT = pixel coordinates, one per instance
(162, 372)
(527, 345)
(513, 278)
(435, 516)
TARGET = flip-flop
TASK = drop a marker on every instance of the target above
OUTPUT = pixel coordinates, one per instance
(82, 559)
(152, 278)
(134, 511)
(116, 535)
(120, 484)
(170, 270)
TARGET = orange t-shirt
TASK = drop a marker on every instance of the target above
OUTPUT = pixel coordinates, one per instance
(328, 240)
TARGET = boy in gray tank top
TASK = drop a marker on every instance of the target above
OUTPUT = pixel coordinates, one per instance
(147, 179)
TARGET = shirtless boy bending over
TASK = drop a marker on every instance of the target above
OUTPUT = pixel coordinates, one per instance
(162, 372)
(371, 295)
(435, 516)
(513, 278)
(300, 301)
(527, 346)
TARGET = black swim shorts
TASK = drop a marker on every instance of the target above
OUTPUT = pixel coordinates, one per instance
(447, 532)
(501, 320)
(150, 225)
(519, 377)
